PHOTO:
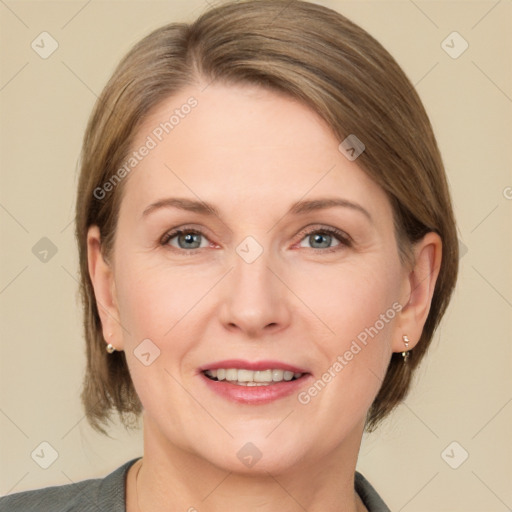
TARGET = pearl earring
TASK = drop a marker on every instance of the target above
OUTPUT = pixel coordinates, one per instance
(405, 353)
(110, 348)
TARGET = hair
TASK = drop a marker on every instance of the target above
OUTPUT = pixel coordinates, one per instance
(310, 53)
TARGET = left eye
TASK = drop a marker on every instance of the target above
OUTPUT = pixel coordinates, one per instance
(323, 238)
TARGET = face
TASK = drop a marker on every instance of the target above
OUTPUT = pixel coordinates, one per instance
(275, 282)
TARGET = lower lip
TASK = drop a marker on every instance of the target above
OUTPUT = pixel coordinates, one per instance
(255, 394)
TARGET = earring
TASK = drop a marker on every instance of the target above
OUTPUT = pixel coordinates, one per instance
(110, 348)
(405, 353)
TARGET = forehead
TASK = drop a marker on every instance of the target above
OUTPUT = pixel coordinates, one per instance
(245, 146)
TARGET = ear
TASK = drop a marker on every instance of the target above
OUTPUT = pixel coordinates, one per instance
(102, 278)
(418, 290)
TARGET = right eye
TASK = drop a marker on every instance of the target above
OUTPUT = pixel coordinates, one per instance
(186, 239)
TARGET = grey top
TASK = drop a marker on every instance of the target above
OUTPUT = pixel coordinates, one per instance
(108, 495)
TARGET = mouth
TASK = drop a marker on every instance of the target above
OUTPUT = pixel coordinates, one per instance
(245, 377)
(254, 382)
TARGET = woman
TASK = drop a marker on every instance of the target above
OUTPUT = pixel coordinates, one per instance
(267, 245)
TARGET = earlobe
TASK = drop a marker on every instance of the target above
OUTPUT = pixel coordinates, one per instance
(420, 285)
(102, 279)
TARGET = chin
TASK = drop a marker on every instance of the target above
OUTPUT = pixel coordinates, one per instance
(257, 457)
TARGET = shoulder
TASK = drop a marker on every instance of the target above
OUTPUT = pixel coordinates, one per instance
(94, 495)
(371, 499)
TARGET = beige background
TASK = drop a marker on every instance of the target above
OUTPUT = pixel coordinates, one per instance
(463, 390)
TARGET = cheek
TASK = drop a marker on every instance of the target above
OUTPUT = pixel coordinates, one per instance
(355, 347)
(155, 304)
(154, 299)
(352, 297)
(163, 304)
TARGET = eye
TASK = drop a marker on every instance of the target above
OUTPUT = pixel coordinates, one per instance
(190, 240)
(323, 238)
(186, 239)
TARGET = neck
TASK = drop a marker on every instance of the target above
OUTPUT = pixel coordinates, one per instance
(170, 478)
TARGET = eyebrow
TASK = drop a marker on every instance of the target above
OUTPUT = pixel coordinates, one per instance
(298, 208)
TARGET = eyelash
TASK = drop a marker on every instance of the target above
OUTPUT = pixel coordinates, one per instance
(343, 238)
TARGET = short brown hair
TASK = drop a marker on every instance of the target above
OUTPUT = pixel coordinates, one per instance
(311, 53)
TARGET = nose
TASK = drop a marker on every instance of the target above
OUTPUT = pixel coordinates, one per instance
(256, 300)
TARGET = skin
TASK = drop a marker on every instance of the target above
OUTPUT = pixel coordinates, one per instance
(252, 153)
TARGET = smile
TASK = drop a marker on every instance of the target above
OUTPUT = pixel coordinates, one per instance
(244, 377)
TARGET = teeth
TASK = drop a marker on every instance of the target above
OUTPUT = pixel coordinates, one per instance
(263, 376)
(231, 374)
(245, 377)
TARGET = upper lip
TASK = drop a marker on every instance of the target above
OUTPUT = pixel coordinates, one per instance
(252, 365)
